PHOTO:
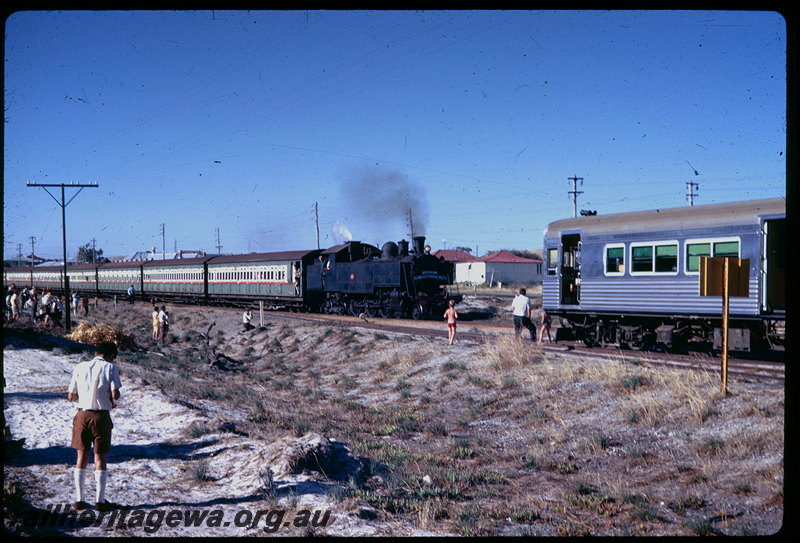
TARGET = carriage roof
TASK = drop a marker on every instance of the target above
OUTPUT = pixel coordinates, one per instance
(678, 218)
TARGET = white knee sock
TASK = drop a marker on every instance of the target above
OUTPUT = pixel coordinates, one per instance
(100, 477)
(80, 483)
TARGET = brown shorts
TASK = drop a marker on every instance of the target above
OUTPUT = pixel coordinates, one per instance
(92, 428)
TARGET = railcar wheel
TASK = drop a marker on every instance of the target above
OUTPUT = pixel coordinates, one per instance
(416, 312)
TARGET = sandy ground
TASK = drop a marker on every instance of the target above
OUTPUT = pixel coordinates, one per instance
(151, 461)
(155, 461)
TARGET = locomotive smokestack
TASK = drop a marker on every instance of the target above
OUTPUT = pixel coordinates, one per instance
(403, 244)
(419, 244)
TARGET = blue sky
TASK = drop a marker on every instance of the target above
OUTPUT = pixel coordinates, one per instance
(239, 122)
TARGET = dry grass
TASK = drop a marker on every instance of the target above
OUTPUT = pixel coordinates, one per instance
(498, 438)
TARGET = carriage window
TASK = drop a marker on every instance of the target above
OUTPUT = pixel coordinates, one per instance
(642, 259)
(693, 253)
(552, 261)
(655, 258)
(667, 258)
(696, 250)
(727, 248)
(615, 260)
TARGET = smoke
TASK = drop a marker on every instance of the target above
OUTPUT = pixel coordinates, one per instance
(341, 233)
(388, 201)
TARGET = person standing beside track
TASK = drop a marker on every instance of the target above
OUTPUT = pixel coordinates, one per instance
(95, 386)
(451, 315)
(521, 307)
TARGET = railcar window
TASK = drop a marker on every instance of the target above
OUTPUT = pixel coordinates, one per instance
(615, 260)
(655, 258)
(695, 250)
(552, 261)
(693, 253)
(642, 259)
(726, 248)
(667, 258)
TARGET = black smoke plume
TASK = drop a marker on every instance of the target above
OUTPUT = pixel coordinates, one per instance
(388, 200)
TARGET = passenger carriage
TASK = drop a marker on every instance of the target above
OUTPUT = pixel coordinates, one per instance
(48, 278)
(633, 278)
(274, 277)
(180, 278)
(21, 277)
(83, 278)
(115, 278)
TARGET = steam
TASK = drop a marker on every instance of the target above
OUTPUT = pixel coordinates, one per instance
(388, 200)
(341, 233)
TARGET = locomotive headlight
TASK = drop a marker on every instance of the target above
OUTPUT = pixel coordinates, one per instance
(352, 276)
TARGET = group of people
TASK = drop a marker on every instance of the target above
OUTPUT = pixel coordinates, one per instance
(47, 307)
(160, 323)
(521, 309)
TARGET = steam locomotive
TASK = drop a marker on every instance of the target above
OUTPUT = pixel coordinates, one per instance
(352, 278)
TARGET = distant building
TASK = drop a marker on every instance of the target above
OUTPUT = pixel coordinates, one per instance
(494, 268)
(153, 255)
(24, 261)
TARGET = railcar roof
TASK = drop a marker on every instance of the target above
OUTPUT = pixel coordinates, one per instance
(685, 217)
(172, 262)
(127, 264)
(260, 257)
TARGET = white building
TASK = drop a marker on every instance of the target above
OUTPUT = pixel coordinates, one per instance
(498, 267)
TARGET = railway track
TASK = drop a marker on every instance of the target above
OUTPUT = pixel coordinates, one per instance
(771, 368)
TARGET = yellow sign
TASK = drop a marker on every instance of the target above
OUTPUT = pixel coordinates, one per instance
(712, 272)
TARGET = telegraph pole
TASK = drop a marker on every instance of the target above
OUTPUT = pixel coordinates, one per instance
(33, 243)
(163, 243)
(316, 222)
(574, 192)
(80, 186)
(219, 247)
(691, 186)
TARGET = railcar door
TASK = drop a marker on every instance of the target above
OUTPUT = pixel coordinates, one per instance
(775, 262)
(570, 269)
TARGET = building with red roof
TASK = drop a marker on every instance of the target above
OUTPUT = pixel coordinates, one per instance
(498, 267)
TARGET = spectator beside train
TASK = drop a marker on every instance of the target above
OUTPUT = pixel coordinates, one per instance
(131, 294)
(155, 322)
(247, 316)
(75, 302)
(56, 310)
(85, 305)
(8, 310)
(13, 303)
(47, 299)
(163, 324)
(521, 307)
(451, 315)
(546, 322)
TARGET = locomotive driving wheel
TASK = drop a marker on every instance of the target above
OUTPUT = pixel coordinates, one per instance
(416, 312)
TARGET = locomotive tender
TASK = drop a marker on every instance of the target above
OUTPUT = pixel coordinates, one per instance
(350, 278)
(632, 279)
